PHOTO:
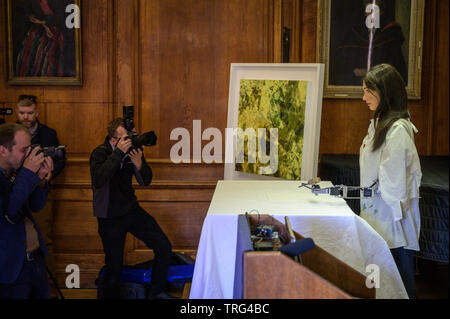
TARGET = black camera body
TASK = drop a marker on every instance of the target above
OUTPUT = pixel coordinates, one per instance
(128, 117)
(7, 111)
(138, 141)
(57, 153)
(146, 139)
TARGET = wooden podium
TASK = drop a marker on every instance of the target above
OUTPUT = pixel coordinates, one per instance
(273, 275)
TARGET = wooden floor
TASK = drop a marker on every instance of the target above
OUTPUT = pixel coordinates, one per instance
(92, 293)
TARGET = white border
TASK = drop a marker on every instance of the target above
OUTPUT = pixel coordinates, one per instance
(311, 72)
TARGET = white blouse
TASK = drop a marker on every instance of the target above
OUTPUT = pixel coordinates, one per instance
(395, 214)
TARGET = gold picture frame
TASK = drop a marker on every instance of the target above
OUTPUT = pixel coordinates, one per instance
(43, 42)
(343, 39)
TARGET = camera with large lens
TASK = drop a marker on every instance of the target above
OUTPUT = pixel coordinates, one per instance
(137, 141)
(57, 153)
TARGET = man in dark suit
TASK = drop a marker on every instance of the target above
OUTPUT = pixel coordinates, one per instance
(27, 113)
(24, 177)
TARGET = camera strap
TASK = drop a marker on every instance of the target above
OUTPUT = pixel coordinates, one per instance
(11, 178)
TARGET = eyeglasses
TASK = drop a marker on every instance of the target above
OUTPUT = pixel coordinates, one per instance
(32, 98)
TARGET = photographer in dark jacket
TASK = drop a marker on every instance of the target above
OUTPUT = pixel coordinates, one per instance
(27, 113)
(24, 177)
(118, 212)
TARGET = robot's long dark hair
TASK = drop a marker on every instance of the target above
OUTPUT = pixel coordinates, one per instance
(388, 83)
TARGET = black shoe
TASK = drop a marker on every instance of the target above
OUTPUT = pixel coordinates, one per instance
(163, 295)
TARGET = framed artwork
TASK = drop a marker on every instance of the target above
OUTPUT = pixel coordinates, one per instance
(274, 113)
(44, 42)
(354, 35)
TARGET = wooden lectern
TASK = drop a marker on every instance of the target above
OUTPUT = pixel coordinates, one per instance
(273, 275)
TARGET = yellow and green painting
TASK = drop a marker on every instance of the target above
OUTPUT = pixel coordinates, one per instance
(273, 104)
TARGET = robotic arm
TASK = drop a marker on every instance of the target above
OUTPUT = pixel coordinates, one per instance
(341, 191)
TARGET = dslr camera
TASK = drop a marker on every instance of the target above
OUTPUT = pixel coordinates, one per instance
(8, 111)
(137, 141)
(57, 153)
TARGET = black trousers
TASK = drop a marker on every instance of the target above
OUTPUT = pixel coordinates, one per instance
(406, 264)
(113, 232)
(32, 282)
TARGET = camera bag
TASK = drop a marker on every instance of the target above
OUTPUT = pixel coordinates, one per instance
(135, 279)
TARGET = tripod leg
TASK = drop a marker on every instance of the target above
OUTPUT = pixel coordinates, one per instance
(54, 282)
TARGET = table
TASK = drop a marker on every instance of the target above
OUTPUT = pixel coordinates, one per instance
(326, 219)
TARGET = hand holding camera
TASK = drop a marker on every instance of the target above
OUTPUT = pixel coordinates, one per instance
(40, 161)
(34, 160)
(45, 172)
(136, 158)
(124, 144)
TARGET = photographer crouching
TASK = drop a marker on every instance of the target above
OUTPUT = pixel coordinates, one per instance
(113, 165)
(24, 177)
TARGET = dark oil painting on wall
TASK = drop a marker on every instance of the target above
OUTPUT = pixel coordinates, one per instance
(44, 43)
(354, 35)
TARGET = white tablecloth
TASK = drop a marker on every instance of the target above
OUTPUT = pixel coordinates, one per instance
(326, 219)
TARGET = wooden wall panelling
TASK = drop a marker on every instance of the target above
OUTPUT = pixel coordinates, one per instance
(76, 172)
(277, 30)
(150, 88)
(428, 63)
(75, 229)
(344, 125)
(291, 18)
(308, 31)
(296, 32)
(75, 240)
(180, 220)
(186, 173)
(164, 173)
(185, 70)
(126, 56)
(287, 13)
(440, 121)
(66, 119)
